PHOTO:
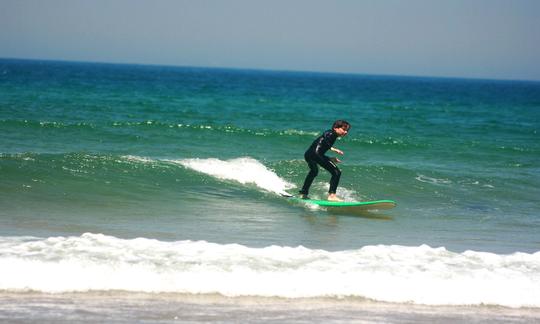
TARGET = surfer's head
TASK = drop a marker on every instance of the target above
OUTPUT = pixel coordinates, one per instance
(341, 127)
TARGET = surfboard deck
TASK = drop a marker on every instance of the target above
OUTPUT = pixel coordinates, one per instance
(361, 205)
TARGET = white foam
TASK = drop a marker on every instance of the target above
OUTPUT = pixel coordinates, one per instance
(244, 170)
(421, 274)
(135, 158)
(435, 181)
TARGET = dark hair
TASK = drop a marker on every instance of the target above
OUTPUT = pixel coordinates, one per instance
(341, 123)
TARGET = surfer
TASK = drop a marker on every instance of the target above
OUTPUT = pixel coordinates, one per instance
(315, 156)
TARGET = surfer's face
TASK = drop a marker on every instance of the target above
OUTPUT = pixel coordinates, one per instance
(342, 131)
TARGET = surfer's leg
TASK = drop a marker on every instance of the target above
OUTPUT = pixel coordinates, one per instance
(313, 171)
(336, 175)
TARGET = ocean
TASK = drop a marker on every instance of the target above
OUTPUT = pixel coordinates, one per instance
(133, 193)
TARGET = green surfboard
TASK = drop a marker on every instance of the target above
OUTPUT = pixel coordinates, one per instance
(359, 205)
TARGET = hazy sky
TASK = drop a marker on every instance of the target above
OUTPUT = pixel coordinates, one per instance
(461, 38)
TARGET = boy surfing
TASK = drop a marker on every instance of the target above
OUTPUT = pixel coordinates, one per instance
(315, 156)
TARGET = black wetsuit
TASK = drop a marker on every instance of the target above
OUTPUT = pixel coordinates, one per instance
(315, 156)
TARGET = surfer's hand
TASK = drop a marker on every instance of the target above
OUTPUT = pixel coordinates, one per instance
(335, 160)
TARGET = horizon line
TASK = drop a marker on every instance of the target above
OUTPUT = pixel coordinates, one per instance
(276, 70)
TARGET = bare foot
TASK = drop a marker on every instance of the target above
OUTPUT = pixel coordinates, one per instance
(333, 197)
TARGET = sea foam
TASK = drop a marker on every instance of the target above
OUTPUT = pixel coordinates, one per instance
(244, 170)
(422, 275)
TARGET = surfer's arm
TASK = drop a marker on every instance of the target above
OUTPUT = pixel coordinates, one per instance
(336, 150)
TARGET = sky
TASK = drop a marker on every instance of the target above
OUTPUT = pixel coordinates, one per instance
(492, 39)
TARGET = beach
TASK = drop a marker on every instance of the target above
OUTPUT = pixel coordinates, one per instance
(144, 308)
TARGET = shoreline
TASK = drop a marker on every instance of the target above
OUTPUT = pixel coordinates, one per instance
(126, 307)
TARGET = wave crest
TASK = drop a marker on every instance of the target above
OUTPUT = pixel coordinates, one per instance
(422, 274)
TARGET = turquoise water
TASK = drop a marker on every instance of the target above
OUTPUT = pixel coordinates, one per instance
(176, 154)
